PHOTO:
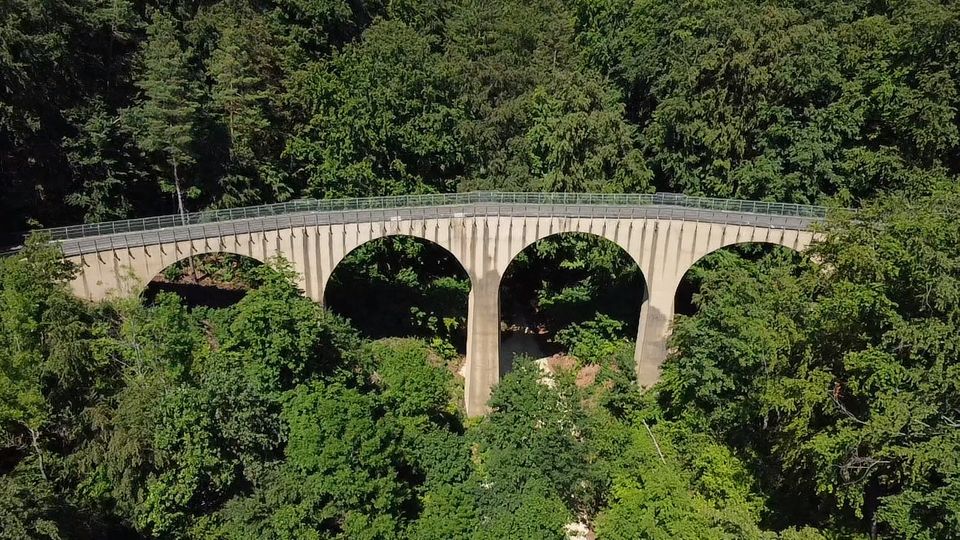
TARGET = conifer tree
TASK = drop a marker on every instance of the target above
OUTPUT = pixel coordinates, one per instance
(244, 96)
(165, 114)
(238, 90)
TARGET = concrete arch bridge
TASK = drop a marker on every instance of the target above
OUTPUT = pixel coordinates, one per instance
(664, 233)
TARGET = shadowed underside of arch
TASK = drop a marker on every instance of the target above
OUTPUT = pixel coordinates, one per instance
(215, 279)
(401, 285)
(583, 275)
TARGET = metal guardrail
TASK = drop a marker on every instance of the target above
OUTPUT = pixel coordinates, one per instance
(814, 213)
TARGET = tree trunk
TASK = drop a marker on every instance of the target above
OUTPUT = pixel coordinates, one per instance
(36, 448)
(183, 218)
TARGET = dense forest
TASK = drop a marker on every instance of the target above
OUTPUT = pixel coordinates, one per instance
(812, 396)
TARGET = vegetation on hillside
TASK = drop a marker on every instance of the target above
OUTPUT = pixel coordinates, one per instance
(805, 397)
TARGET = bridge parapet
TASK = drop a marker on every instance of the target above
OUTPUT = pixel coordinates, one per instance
(674, 200)
(96, 237)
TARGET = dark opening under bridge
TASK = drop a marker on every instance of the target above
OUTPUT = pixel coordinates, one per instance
(665, 234)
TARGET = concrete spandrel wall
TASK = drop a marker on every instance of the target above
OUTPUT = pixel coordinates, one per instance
(484, 246)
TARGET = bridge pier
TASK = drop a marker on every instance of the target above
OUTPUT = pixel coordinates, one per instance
(653, 332)
(482, 371)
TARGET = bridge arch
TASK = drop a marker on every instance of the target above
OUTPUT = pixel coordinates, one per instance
(156, 265)
(524, 232)
(215, 278)
(377, 282)
(797, 241)
(126, 272)
(342, 240)
(527, 327)
(766, 255)
(677, 245)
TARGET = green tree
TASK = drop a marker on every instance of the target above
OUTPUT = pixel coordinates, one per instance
(788, 101)
(594, 340)
(449, 512)
(836, 376)
(49, 379)
(165, 115)
(27, 508)
(39, 65)
(341, 478)
(382, 119)
(578, 139)
(198, 420)
(413, 380)
(35, 322)
(246, 94)
(671, 483)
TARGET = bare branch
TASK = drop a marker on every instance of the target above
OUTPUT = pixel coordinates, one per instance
(655, 443)
(857, 468)
(833, 396)
(36, 447)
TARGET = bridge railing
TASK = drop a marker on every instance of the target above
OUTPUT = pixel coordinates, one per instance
(439, 199)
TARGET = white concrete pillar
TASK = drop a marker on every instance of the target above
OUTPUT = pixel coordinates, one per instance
(476, 241)
(656, 315)
(664, 247)
(483, 342)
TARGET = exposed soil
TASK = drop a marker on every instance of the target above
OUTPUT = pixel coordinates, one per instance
(523, 341)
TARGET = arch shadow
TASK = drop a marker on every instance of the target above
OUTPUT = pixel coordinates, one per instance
(564, 278)
(402, 285)
(213, 279)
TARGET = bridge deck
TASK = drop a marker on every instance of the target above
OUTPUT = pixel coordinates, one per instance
(94, 244)
(95, 237)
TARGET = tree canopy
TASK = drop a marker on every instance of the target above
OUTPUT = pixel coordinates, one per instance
(806, 396)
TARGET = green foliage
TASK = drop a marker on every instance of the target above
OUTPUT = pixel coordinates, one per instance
(382, 118)
(262, 101)
(31, 302)
(339, 479)
(542, 455)
(199, 418)
(837, 376)
(803, 393)
(672, 483)
(246, 95)
(578, 141)
(28, 507)
(286, 334)
(534, 512)
(786, 101)
(529, 437)
(593, 341)
(40, 43)
(449, 512)
(413, 381)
